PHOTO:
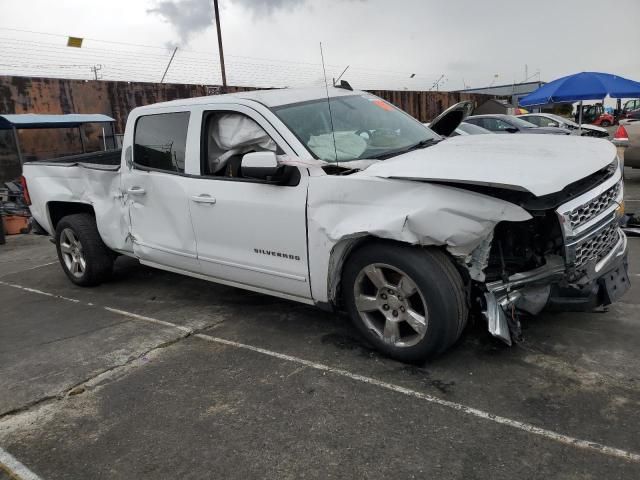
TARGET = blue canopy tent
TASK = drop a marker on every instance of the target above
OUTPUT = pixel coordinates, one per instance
(582, 86)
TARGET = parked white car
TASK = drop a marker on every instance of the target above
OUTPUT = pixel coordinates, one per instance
(552, 120)
(364, 210)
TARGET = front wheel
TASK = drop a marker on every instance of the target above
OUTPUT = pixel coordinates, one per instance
(408, 302)
(84, 257)
(605, 123)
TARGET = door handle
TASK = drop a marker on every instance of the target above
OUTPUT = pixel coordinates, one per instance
(204, 198)
(136, 190)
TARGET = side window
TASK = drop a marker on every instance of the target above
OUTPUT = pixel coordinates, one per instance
(535, 120)
(227, 136)
(547, 122)
(488, 123)
(499, 125)
(476, 121)
(160, 141)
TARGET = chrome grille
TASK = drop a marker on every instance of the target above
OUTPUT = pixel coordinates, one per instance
(594, 248)
(594, 207)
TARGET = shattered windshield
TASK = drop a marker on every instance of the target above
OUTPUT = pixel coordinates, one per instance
(364, 126)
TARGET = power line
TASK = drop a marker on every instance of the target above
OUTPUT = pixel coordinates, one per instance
(27, 57)
(209, 53)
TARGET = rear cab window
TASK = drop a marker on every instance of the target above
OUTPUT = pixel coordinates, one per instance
(160, 142)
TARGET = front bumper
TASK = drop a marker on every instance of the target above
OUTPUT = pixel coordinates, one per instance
(589, 272)
(604, 284)
(551, 286)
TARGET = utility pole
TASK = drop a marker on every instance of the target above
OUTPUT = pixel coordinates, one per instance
(95, 69)
(169, 64)
(220, 51)
(436, 84)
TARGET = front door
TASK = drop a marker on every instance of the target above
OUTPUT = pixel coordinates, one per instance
(248, 232)
(155, 189)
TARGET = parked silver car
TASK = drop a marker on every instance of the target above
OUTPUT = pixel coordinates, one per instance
(632, 153)
(552, 120)
(499, 123)
(470, 129)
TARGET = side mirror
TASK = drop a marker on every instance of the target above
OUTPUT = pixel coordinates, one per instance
(260, 165)
(511, 130)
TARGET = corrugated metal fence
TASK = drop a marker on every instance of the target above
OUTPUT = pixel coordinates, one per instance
(117, 99)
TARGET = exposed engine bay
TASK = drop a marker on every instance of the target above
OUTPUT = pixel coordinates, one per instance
(572, 237)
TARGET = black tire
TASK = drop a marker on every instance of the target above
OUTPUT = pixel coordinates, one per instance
(98, 257)
(438, 282)
(605, 123)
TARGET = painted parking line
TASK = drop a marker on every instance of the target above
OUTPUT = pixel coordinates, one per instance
(525, 427)
(464, 409)
(31, 268)
(14, 468)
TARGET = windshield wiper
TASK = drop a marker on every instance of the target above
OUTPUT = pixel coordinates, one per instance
(421, 144)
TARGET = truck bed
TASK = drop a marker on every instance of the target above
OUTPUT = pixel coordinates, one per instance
(90, 179)
(109, 160)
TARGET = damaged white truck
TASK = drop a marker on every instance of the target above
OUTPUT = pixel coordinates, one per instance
(343, 201)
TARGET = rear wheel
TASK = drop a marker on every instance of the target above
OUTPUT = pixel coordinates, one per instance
(84, 257)
(407, 301)
(605, 123)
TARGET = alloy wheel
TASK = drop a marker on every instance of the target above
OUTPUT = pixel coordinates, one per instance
(72, 253)
(391, 305)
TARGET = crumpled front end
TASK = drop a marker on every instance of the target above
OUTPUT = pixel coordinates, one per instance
(571, 257)
(344, 209)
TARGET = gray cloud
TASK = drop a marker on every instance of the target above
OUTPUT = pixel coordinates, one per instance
(188, 17)
(268, 6)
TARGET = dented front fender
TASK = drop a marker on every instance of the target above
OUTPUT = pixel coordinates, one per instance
(417, 213)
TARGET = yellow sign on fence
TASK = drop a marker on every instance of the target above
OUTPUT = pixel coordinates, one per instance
(74, 42)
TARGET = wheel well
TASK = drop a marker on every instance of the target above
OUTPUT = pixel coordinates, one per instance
(58, 210)
(345, 248)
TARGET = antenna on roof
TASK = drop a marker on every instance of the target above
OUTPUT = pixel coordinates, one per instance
(335, 80)
(326, 87)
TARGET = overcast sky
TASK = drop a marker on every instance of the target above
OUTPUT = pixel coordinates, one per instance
(465, 39)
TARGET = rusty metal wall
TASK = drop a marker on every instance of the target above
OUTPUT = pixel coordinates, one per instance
(425, 106)
(117, 99)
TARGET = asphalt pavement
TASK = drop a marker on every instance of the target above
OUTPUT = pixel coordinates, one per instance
(155, 375)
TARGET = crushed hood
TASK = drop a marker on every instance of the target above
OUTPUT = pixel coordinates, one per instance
(540, 164)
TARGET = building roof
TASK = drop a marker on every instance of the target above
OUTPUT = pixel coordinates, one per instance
(507, 90)
(34, 120)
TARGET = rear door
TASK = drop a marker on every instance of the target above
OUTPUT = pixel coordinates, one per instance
(249, 232)
(155, 189)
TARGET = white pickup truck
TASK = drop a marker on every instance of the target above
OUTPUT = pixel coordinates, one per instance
(343, 201)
